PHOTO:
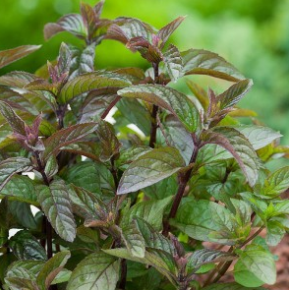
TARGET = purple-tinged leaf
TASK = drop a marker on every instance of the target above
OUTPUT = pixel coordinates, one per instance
(239, 146)
(99, 271)
(67, 136)
(91, 81)
(51, 167)
(16, 123)
(116, 33)
(51, 269)
(71, 23)
(173, 62)
(56, 205)
(17, 79)
(10, 55)
(64, 60)
(199, 93)
(234, 94)
(82, 60)
(136, 74)
(203, 62)
(170, 99)
(165, 32)
(98, 8)
(150, 168)
(89, 18)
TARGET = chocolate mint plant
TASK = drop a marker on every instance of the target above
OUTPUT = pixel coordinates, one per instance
(172, 208)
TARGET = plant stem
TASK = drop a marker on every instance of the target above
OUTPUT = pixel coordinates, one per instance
(111, 105)
(122, 282)
(182, 186)
(154, 125)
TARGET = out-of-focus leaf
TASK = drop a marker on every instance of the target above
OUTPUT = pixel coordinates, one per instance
(173, 62)
(11, 166)
(10, 55)
(203, 62)
(230, 286)
(255, 267)
(199, 93)
(150, 168)
(175, 102)
(56, 204)
(98, 270)
(239, 146)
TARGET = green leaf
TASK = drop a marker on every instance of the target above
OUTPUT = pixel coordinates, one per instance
(230, 286)
(203, 62)
(56, 204)
(92, 176)
(170, 99)
(67, 136)
(258, 136)
(202, 219)
(133, 239)
(205, 256)
(82, 60)
(277, 182)
(275, 232)
(234, 94)
(91, 81)
(72, 23)
(26, 247)
(16, 123)
(20, 188)
(11, 166)
(173, 62)
(165, 32)
(239, 146)
(10, 55)
(152, 211)
(255, 267)
(51, 269)
(97, 271)
(150, 168)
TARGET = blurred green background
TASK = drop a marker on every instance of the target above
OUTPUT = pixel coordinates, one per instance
(251, 34)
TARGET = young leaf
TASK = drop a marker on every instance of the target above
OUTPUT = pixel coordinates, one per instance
(97, 271)
(172, 100)
(91, 81)
(10, 55)
(255, 267)
(234, 94)
(165, 32)
(11, 166)
(67, 136)
(173, 62)
(55, 203)
(203, 62)
(239, 146)
(72, 23)
(150, 168)
(51, 269)
(26, 247)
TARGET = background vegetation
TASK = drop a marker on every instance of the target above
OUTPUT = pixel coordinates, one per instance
(252, 34)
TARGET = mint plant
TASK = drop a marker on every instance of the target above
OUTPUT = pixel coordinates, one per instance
(172, 208)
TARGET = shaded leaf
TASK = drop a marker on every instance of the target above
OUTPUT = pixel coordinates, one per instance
(26, 247)
(10, 55)
(97, 271)
(150, 168)
(56, 205)
(177, 103)
(230, 286)
(51, 166)
(203, 62)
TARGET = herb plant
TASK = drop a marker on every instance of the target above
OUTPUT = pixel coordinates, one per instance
(171, 208)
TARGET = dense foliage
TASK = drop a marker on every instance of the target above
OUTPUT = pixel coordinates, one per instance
(167, 194)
